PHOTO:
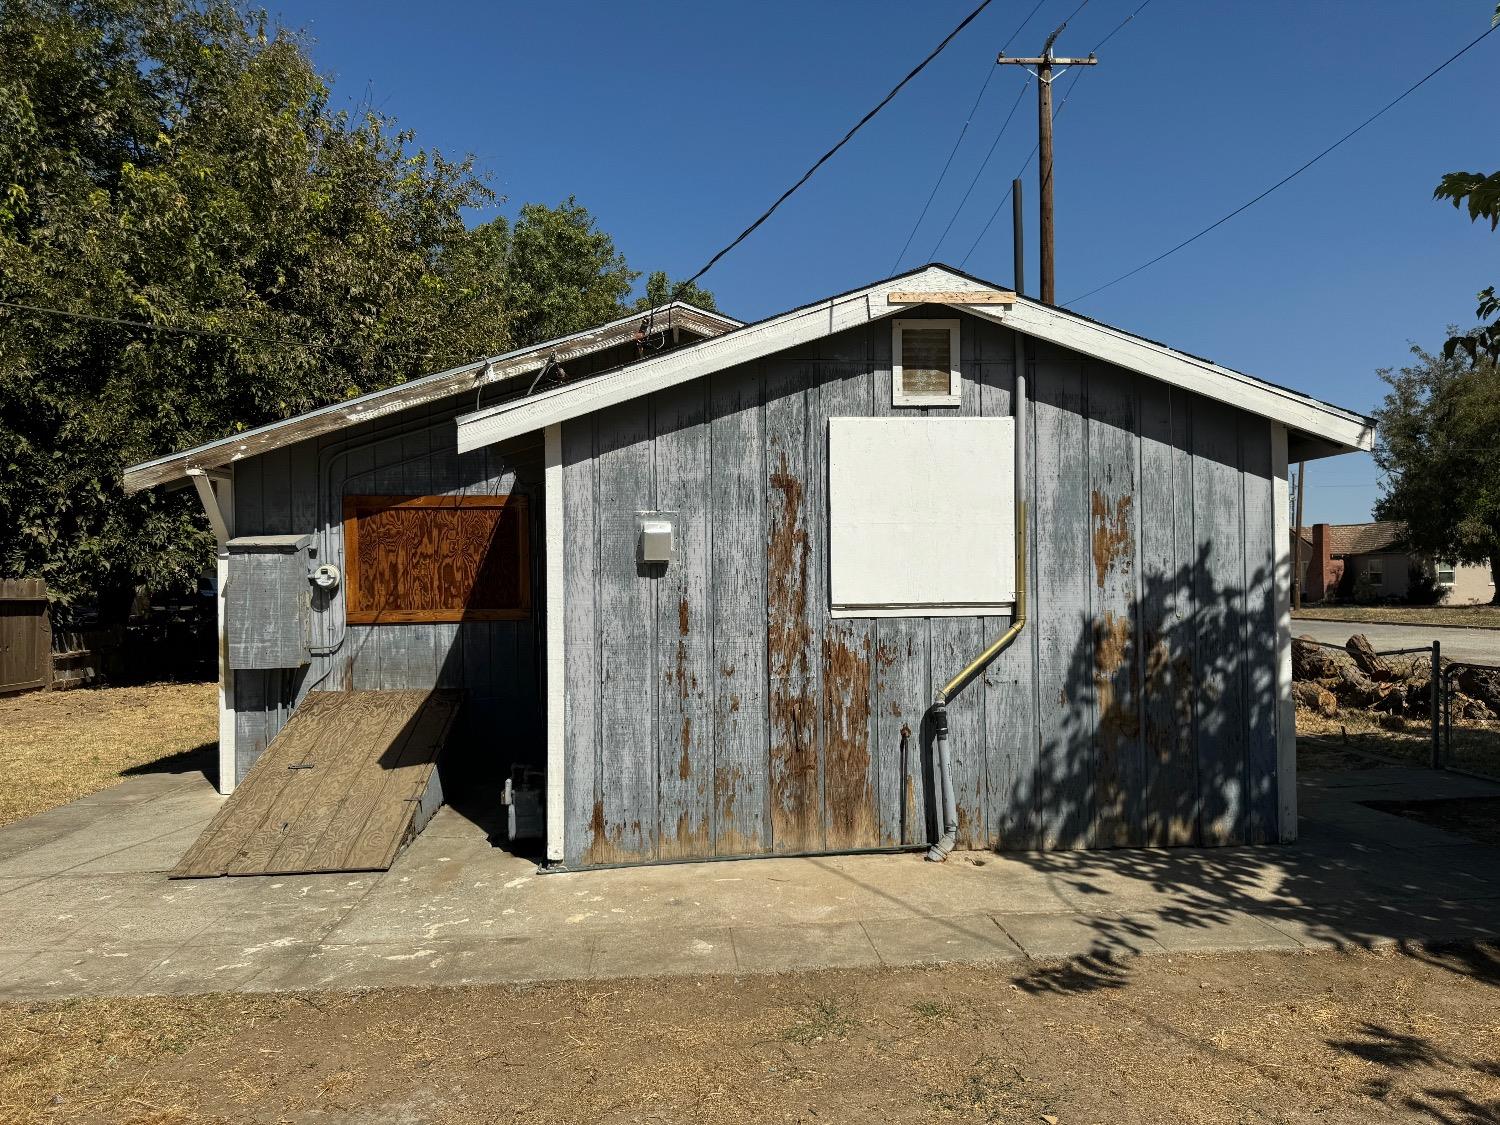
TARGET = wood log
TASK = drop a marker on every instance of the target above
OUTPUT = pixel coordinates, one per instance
(1355, 689)
(1310, 661)
(1316, 697)
(1367, 659)
(1482, 684)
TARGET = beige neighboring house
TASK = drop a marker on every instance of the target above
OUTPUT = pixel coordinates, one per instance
(1376, 555)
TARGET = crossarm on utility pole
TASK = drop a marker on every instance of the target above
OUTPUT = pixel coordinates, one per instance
(1048, 61)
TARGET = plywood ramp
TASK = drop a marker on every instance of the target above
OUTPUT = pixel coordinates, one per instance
(347, 782)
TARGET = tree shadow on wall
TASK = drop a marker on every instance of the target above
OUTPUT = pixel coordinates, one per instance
(1160, 729)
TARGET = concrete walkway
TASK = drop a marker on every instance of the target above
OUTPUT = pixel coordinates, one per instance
(1473, 646)
(86, 910)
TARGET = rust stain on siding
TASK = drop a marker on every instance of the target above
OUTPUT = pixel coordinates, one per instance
(682, 617)
(685, 763)
(1117, 690)
(607, 844)
(730, 837)
(852, 821)
(794, 754)
(1111, 534)
(691, 839)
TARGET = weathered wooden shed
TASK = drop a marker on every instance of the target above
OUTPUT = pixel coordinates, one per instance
(717, 575)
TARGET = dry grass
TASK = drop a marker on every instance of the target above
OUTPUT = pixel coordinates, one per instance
(1475, 746)
(58, 746)
(1461, 616)
(1339, 1038)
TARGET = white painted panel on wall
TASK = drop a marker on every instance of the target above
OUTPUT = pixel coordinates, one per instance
(922, 515)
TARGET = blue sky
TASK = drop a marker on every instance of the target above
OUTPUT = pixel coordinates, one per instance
(677, 123)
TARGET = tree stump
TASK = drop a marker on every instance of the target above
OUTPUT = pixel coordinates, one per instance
(1310, 661)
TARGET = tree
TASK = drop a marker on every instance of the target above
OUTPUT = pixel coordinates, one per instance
(192, 243)
(659, 291)
(563, 274)
(1482, 194)
(231, 250)
(1436, 447)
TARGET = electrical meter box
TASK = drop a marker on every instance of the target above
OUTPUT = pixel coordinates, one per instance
(268, 601)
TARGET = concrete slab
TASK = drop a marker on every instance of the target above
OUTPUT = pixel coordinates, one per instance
(196, 967)
(92, 971)
(820, 945)
(437, 962)
(935, 941)
(1228, 930)
(1077, 935)
(86, 907)
(645, 953)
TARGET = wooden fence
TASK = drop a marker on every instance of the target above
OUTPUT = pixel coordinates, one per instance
(25, 636)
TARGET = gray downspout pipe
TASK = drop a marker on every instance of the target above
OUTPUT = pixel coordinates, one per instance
(939, 711)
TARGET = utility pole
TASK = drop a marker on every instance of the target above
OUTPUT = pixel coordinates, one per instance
(1044, 74)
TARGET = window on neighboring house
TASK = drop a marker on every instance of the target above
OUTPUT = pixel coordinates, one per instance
(924, 363)
(1445, 576)
(416, 559)
(1375, 572)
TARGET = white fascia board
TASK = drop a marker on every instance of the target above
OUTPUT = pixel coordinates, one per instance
(402, 396)
(1198, 376)
(742, 345)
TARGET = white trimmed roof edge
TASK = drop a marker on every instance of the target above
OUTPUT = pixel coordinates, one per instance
(399, 396)
(1334, 424)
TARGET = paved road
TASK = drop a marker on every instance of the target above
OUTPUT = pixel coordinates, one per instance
(1479, 646)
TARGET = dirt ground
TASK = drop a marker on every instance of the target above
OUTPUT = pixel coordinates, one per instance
(57, 746)
(1464, 616)
(1327, 1037)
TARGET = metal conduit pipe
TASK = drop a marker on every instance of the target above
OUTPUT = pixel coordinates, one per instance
(941, 753)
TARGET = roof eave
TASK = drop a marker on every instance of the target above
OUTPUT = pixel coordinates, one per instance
(402, 396)
(1342, 430)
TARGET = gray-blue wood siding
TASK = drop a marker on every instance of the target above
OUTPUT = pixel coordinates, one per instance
(412, 453)
(717, 709)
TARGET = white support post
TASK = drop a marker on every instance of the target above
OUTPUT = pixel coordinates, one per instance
(1286, 711)
(556, 695)
(216, 494)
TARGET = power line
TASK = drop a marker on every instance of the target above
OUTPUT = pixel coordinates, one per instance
(989, 73)
(1068, 93)
(1293, 175)
(985, 163)
(858, 125)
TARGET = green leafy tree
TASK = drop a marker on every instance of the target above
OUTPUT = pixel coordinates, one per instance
(176, 164)
(563, 274)
(659, 291)
(1480, 192)
(1436, 447)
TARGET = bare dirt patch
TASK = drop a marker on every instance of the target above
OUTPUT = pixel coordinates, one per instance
(57, 746)
(1327, 1037)
(1459, 616)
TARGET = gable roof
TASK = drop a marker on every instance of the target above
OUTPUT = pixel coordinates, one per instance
(511, 366)
(1328, 429)
(1364, 538)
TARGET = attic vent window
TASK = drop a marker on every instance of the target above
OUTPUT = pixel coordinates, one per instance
(925, 363)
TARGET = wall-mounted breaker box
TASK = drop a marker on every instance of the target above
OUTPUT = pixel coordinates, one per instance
(268, 601)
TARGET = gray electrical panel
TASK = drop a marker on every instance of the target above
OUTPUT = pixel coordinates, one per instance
(268, 601)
